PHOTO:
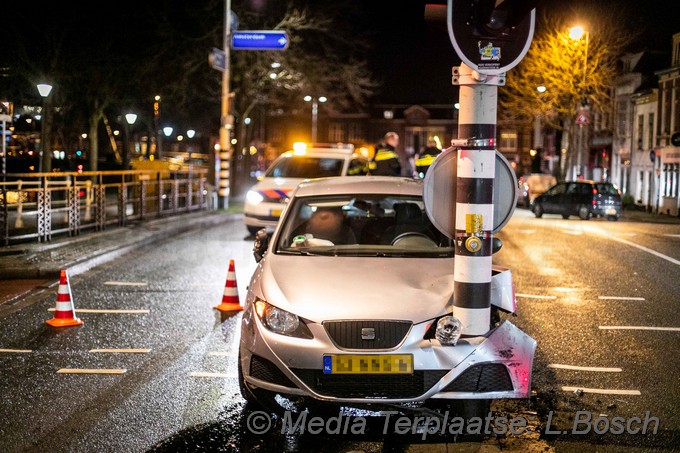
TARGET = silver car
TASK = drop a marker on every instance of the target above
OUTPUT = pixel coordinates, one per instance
(346, 301)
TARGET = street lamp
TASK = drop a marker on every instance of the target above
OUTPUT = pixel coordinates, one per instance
(315, 111)
(130, 119)
(576, 33)
(44, 89)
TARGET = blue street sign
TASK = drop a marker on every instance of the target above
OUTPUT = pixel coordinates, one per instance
(217, 59)
(259, 40)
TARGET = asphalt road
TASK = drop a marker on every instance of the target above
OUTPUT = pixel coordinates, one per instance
(575, 280)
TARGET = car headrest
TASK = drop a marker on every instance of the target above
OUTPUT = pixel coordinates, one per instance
(407, 213)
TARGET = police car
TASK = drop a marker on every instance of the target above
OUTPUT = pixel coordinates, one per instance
(266, 199)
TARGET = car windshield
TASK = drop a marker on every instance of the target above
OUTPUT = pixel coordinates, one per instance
(381, 225)
(306, 167)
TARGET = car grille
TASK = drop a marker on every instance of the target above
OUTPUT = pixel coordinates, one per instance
(370, 385)
(264, 370)
(348, 334)
(490, 377)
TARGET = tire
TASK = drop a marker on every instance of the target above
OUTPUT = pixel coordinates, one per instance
(584, 213)
(246, 393)
(612, 218)
(538, 211)
(565, 216)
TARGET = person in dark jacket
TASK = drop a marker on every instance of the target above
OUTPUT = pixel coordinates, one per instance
(426, 156)
(385, 162)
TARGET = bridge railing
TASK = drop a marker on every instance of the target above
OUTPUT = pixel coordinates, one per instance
(36, 206)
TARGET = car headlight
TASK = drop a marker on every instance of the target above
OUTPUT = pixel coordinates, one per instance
(281, 321)
(254, 197)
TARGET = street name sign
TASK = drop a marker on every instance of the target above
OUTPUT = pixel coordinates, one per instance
(259, 40)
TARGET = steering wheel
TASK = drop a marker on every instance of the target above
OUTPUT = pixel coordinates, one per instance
(414, 239)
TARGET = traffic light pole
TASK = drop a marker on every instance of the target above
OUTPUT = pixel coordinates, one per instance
(474, 197)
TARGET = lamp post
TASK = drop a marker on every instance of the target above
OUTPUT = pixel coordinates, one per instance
(576, 33)
(45, 160)
(315, 111)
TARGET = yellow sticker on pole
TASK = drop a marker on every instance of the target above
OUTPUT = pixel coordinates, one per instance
(473, 223)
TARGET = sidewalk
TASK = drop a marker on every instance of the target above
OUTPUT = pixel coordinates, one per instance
(79, 253)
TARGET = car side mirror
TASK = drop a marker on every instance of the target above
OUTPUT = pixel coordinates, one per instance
(260, 244)
(496, 245)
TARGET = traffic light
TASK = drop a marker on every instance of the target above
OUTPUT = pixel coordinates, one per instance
(491, 36)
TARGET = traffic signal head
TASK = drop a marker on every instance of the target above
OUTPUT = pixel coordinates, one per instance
(491, 36)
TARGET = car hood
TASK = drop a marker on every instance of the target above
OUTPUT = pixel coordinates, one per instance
(321, 288)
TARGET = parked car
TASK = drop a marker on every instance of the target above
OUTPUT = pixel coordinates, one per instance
(584, 198)
(266, 199)
(348, 299)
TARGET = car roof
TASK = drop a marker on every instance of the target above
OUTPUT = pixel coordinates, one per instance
(337, 185)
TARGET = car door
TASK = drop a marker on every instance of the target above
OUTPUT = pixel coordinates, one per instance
(551, 199)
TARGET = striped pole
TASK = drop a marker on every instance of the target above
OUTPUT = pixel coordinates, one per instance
(474, 199)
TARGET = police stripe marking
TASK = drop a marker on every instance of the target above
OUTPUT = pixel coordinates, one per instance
(560, 366)
(90, 371)
(602, 391)
(16, 350)
(665, 329)
(126, 283)
(114, 351)
(619, 298)
(95, 310)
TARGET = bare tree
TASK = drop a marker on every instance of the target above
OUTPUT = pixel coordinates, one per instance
(575, 73)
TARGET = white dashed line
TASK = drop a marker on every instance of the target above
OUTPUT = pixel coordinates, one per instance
(535, 296)
(648, 250)
(130, 351)
(90, 371)
(95, 310)
(584, 368)
(16, 350)
(667, 329)
(222, 353)
(206, 374)
(126, 283)
(602, 391)
(620, 298)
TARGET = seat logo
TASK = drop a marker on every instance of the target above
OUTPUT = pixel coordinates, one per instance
(368, 333)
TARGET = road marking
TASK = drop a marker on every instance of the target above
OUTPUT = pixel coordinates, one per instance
(222, 353)
(126, 283)
(206, 374)
(95, 310)
(602, 391)
(575, 233)
(16, 350)
(584, 368)
(673, 235)
(620, 298)
(90, 371)
(534, 296)
(131, 351)
(645, 249)
(668, 329)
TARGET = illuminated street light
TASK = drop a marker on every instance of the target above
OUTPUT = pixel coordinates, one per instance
(576, 33)
(315, 111)
(541, 89)
(191, 133)
(130, 119)
(44, 89)
(167, 130)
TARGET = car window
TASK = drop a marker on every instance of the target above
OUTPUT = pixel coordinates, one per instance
(607, 189)
(556, 190)
(361, 225)
(306, 167)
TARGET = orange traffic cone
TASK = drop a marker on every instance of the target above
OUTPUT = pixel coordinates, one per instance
(64, 313)
(230, 300)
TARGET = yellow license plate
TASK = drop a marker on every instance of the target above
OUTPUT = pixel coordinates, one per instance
(276, 212)
(368, 364)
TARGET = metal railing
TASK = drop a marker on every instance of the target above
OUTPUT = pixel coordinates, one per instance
(36, 206)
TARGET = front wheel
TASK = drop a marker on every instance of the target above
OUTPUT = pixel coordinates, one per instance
(538, 211)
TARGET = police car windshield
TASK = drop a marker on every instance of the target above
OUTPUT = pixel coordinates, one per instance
(306, 167)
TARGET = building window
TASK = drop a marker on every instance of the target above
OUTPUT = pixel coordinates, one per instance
(670, 188)
(508, 141)
(650, 128)
(356, 133)
(335, 133)
(640, 131)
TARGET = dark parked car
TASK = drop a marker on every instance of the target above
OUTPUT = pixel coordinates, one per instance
(582, 198)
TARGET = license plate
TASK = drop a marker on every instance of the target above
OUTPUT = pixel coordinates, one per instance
(275, 212)
(610, 211)
(368, 364)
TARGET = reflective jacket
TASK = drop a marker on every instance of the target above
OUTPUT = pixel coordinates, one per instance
(386, 162)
